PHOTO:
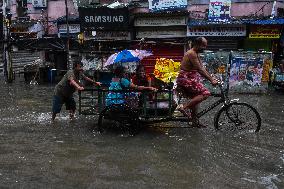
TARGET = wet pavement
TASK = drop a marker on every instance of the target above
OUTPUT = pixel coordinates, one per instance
(36, 153)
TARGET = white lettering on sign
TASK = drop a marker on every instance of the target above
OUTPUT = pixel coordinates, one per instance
(104, 19)
(217, 30)
(156, 33)
(163, 21)
(122, 35)
(73, 28)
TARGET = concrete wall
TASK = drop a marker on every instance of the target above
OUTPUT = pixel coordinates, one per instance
(54, 10)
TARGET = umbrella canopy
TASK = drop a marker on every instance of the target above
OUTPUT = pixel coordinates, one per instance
(127, 56)
(166, 69)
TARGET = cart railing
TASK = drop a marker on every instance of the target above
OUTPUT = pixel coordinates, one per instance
(158, 104)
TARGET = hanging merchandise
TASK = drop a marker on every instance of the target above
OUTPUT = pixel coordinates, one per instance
(166, 69)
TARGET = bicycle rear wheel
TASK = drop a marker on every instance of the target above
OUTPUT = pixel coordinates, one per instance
(238, 116)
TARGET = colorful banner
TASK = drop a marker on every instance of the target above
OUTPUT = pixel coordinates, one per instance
(265, 31)
(266, 68)
(245, 70)
(219, 10)
(162, 5)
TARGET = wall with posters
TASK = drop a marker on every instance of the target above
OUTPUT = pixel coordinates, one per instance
(247, 73)
(241, 71)
(216, 63)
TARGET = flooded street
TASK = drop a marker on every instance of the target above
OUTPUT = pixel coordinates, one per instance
(36, 153)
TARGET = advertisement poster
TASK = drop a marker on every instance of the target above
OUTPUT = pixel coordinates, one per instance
(246, 71)
(219, 10)
(162, 5)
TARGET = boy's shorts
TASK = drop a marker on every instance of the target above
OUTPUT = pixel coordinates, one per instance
(59, 101)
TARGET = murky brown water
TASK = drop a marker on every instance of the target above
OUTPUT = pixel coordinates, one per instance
(38, 154)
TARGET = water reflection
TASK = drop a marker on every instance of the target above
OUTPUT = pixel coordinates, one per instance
(66, 154)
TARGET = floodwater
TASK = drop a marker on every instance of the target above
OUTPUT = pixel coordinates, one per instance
(36, 153)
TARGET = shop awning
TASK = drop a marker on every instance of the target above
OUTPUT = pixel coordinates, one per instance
(267, 21)
(72, 19)
(259, 22)
(206, 22)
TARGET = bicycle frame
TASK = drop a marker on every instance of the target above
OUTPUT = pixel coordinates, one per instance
(223, 99)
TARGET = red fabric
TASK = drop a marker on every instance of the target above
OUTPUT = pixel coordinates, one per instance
(191, 82)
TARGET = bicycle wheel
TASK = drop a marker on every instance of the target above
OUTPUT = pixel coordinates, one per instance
(119, 117)
(238, 116)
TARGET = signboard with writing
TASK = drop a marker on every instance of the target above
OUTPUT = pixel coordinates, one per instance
(118, 35)
(161, 5)
(73, 28)
(39, 3)
(1, 26)
(219, 10)
(161, 21)
(265, 31)
(217, 30)
(104, 18)
(158, 33)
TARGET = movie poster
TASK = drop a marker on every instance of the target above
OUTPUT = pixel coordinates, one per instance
(234, 71)
(246, 71)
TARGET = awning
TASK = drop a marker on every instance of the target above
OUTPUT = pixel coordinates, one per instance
(206, 22)
(267, 21)
(259, 22)
(72, 19)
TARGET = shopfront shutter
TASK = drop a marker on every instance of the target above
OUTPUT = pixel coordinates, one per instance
(174, 52)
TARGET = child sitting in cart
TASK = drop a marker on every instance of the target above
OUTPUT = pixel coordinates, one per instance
(120, 82)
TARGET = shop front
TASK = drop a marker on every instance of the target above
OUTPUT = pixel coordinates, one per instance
(106, 31)
(263, 37)
(163, 34)
(219, 36)
(105, 27)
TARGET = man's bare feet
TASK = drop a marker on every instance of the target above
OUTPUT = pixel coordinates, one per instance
(185, 112)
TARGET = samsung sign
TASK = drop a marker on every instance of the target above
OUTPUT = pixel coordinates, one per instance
(104, 18)
(100, 19)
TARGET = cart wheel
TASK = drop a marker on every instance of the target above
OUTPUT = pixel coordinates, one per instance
(238, 116)
(119, 116)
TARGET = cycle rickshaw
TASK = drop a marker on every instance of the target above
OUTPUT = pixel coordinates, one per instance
(160, 106)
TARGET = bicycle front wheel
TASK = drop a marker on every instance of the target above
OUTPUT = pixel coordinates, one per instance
(238, 116)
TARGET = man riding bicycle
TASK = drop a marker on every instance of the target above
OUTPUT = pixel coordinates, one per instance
(190, 82)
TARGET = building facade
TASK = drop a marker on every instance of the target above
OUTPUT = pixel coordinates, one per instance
(165, 27)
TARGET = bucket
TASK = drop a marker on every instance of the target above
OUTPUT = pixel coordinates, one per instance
(51, 75)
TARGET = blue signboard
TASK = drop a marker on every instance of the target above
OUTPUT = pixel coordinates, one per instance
(166, 5)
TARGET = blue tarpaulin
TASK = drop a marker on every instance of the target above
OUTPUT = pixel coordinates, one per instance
(267, 21)
(259, 22)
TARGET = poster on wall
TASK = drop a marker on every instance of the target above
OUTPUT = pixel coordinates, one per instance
(219, 10)
(246, 71)
(39, 3)
(162, 5)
